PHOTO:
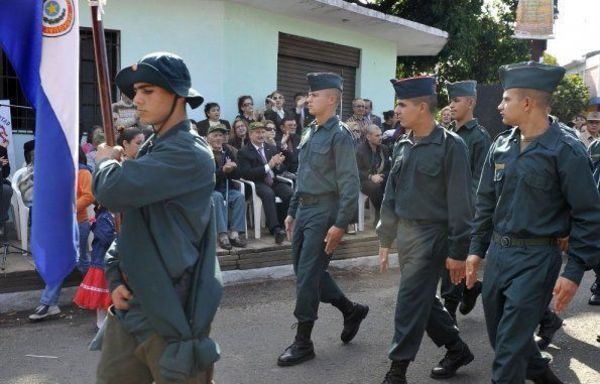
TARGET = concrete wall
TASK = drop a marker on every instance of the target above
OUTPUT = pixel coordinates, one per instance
(231, 49)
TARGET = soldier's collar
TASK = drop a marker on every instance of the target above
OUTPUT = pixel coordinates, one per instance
(548, 139)
(435, 137)
(469, 125)
(330, 123)
(182, 125)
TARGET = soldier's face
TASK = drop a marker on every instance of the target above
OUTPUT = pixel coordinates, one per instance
(319, 102)
(511, 108)
(153, 103)
(459, 107)
(407, 112)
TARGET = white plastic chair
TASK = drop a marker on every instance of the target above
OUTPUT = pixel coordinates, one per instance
(257, 206)
(21, 210)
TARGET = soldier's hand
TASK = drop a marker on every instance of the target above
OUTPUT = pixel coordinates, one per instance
(456, 269)
(106, 152)
(384, 262)
(333, 238)
(289, 227)
(472, 266)
(120, 297)
(563, 244)
(563, 292)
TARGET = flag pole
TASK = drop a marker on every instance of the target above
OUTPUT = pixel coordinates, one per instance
(102, 72)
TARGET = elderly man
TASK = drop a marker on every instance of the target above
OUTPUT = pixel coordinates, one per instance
(359, 116)
(536, 187)
(373, 160)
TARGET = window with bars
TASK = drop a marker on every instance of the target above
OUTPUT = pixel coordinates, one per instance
(23, 117)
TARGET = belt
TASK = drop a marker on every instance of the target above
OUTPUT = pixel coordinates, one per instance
(314, 199)
(509, 241)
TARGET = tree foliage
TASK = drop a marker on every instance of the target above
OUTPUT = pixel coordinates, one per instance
(479, 37)
(570, 98)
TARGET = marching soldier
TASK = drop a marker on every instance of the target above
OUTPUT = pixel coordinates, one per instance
(322, 206)
(427, 207)
(536, 187)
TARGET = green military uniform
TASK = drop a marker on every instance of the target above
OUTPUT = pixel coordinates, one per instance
(478, 143)
(166, 248)
(326, 195)
(427, 208)
(525, 201)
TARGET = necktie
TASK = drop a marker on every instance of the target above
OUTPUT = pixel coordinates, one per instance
(268, 177)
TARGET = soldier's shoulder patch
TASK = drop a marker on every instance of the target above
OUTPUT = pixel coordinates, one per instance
(344, 127)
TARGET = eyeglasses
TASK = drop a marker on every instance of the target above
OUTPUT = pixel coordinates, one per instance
(277, 97)
(247, 104)
(269, 129)
(359, 106)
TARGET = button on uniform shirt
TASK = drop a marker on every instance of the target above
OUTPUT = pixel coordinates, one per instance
(478, 142)
(546, 190)
(430, 181)
(327, 165)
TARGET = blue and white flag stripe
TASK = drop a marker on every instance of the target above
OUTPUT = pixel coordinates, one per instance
(41, 40)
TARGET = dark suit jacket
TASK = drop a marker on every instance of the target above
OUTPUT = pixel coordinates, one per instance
(203, 126)
(274, 117)
(291, 157)
(221, 176)
(251, 164)
(364, 161)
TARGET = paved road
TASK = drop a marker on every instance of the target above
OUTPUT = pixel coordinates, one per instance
(253, 327)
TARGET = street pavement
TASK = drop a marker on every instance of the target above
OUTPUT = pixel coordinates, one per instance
(254, 325)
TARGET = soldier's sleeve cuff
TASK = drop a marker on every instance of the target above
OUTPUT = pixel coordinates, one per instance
(573, 271)
(477, 248)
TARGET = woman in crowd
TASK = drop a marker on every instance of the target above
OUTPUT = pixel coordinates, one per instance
(239, 137)
(246, 109)
(446, 117)
(213, 117)
(130, 139)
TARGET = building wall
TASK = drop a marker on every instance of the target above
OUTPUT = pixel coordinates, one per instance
(231, 49)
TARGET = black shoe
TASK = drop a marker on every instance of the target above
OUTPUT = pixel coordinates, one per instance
(598, 338)
(548, 377)
(595, 299)
(470, 298)
(397, 373)
(352, 322)
(451, 306)
(301, 350)
(224, 243)
(547, 331)
(453, 360)
(280, 236)
(238, 242)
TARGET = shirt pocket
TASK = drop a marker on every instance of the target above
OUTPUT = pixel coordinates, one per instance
(430, 169)
(538, 181)
(319, 153)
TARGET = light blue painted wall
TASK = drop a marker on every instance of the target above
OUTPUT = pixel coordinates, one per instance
(231, 49)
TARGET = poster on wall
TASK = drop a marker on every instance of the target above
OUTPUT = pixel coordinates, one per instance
(6, 134)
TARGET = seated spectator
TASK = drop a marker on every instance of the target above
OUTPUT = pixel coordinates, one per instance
(213, 117)
(227, 200)
(239, 137)
(446, 117)
(373, 161)
(270, 132)
(369, 113)
(289, 142)
(355, 130)
(130, 139)
(301, 113)
(359, 117)
(246, 109)
(391, 136)
(6, 191)
(260, 163)
(97, 139)
(277, 112)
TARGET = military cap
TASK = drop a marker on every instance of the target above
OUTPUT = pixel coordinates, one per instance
(218, 127)
(163, 69)
(324, 80)
(256, 125)
(466, 88)
(414, 87)
(531, 75)
(593, 116)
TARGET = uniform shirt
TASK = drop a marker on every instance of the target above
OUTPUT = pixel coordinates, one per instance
(478, 142)
(545, 191)
(327, 165)
(430, 181)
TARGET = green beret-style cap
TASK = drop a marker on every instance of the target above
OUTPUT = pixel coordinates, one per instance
(593, 116)
(414, 87)
(324, 80)
(256, 125)
(466, 88)
(531, 75)
(217, 127)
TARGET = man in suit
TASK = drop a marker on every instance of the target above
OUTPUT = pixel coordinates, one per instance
(301, 113)
(260, 162)
(373, 160)
(369, 113)
(289, 144)
(277, 112)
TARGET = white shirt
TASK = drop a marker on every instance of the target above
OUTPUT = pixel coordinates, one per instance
(261, 151)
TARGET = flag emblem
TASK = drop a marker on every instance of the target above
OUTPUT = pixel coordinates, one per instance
(58, 17)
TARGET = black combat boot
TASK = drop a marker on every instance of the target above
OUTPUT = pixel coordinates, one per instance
(302, 349)
(548, 326)
(548, 377)
(397, 373)
(470, 298)
(352, 320)
(451, 306)
(457, 356)
(595, 288)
